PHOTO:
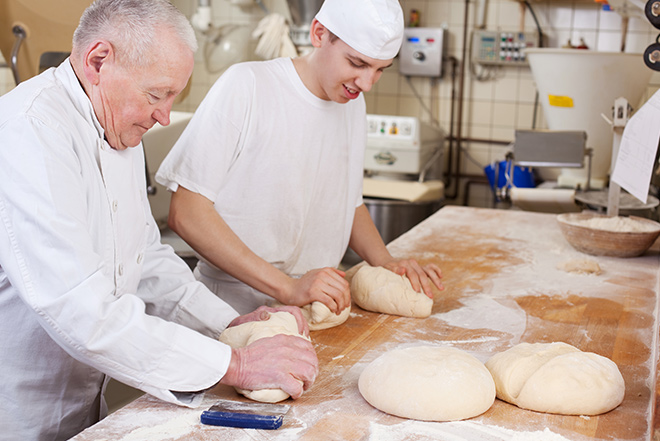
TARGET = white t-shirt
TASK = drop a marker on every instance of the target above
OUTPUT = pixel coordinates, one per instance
(283, 167)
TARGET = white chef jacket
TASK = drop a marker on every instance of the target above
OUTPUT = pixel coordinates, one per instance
(86, 287)
(282, 167)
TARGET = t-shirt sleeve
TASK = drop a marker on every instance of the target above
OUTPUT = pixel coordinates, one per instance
(212, 140)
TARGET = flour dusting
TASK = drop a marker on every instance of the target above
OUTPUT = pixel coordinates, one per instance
(171, 429)
(455, 431)
(484, 312)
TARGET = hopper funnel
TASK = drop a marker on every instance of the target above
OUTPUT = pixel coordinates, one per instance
(576, 87)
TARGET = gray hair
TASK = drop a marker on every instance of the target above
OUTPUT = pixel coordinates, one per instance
(131, 27)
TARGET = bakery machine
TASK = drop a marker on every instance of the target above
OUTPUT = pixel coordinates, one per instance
(403, 168)
(577, 87)
(590, 91)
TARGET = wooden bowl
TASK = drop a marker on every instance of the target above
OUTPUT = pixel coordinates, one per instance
(598, 242)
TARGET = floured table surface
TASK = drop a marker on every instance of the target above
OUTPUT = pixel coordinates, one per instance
(502, 287)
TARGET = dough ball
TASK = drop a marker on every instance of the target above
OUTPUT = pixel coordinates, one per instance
(377, 289)
(580, 266)
(242, 335)
(319, 316)
(428, 383)
(557, 378)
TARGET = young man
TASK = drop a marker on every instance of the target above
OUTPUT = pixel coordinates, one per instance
(267, 176)
(86, 289)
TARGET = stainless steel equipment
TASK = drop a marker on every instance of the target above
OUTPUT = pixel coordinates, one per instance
(403, 174)
(393, 217)
(401, 145)
(302, 14)
(575, 88)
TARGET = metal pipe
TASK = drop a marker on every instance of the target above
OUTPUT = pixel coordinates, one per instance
(20, 35)
(624, 32)
(468, 184)
(450, 148)
(486, 141)
(461, 92)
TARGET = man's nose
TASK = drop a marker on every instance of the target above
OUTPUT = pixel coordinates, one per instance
(367, 79)
(162, 113)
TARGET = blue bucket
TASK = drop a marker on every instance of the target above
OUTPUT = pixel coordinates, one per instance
(523, 177)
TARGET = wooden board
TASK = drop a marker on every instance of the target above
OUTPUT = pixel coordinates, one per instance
(503, 286)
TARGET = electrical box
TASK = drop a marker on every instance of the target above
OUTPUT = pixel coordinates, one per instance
(502, 48)
(422, 52)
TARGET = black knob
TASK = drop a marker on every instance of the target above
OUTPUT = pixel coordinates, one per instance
(652, 11)
(652, 56)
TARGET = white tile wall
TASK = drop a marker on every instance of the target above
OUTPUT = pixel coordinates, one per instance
(492, 109)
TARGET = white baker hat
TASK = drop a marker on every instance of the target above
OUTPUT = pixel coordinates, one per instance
(372, 27)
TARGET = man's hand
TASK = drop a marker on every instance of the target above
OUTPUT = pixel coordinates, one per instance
(325, 285)
(420, 277)
(280, 362)
(263, 313)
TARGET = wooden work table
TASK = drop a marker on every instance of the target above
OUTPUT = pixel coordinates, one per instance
(502, 287)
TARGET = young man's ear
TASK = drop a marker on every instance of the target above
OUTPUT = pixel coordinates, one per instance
(316, 32)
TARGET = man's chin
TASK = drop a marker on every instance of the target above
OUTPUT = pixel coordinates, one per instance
(129, 143)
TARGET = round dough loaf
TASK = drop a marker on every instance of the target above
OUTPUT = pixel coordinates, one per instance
(242, 335)
(377, 289)
(557, 378)
(428, 383)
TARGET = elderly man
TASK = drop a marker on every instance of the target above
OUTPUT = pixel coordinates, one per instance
(267, 177)
(86, 289)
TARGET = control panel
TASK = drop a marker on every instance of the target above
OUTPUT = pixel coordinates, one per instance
(394, 127)
(502, 48)
(421, 52)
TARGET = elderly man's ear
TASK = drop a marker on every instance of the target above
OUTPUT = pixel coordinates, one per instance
(97, 54)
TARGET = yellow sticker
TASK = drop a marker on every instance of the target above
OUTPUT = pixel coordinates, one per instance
(560, 101)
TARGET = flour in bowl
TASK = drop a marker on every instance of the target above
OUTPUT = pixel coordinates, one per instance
(618, 224)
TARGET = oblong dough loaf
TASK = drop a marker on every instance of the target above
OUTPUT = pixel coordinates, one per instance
(557, 378)
(377, 289)
(428, 383)
(242, 335)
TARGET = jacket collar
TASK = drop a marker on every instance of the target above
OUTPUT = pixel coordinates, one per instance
(67, 76)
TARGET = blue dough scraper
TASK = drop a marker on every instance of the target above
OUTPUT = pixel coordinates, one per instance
(245, 415)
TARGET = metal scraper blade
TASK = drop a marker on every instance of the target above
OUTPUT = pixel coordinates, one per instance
(245, 415)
